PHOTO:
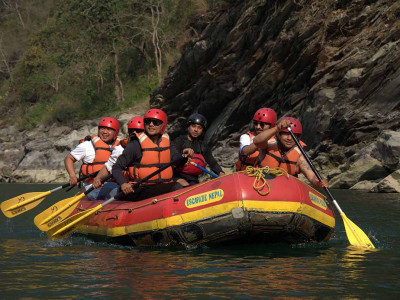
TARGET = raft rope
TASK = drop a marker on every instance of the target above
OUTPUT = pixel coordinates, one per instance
(259, 173)
(259, 183)
(155, 200)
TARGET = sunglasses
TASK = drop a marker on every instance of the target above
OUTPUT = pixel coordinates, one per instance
(130, 131)
(262, 124)
(155, 122)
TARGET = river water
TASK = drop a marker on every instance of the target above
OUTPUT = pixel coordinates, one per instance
(32, 266)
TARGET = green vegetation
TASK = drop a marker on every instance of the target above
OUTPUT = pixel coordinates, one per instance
(76, 59)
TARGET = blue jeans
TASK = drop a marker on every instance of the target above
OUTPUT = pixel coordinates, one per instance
(108, 190)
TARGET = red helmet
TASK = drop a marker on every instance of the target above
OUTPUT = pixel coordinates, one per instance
(266, 115)
(136, 123)
(110, 123)
(158, 114)
(296, 125)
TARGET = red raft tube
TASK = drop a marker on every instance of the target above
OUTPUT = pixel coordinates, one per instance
(237, 207)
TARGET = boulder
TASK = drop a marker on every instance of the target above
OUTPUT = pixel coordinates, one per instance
(390, 184)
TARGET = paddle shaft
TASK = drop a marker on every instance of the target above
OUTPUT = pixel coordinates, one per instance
(204, 169)
(72, 223)
(314, 169)
(135, 185)
(80, 179)
(57, 212)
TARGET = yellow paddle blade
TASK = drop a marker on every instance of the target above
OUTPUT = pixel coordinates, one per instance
(70, 224)
(56, 213)
(356, 236)
(20, 204)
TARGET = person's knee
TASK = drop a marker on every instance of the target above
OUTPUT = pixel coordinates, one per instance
(182, 182)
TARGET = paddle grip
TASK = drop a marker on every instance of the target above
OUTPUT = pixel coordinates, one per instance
(80, 179)
(204, 169)
(102, 181)
(310, 163)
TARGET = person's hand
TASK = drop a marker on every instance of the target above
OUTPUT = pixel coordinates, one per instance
(221, 174)
(320, 184)
(188, 152)
(96, 183)
(73, 180)
(283, 125)
(126, 188)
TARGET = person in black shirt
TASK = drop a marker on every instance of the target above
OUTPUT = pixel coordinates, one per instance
(199, 152)
(145, 154)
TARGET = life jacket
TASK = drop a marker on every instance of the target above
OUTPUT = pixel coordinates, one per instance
(154, 156)
(102, 154)
(250, 160)
(191, 169)
(273, 158)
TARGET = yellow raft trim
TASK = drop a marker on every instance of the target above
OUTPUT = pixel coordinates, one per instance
(213, 211)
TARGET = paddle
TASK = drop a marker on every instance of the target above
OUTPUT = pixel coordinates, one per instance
(20, 204)
(70, 224)
(204, 169)
(62, 209)
(355, 235)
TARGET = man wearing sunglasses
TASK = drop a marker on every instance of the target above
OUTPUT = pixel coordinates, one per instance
(199, 151)
(135, 126)
(144, 155)
(283, 153)
(263, 119)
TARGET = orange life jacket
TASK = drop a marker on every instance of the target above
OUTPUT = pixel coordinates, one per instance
(250, 160)
(102, 154)
(274, 158)
(154, 156)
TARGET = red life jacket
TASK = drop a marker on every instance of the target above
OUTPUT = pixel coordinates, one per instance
(154, 156)
(102, 154)
(192, 170)
(275, 158)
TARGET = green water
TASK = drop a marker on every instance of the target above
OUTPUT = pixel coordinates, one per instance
(32, 266)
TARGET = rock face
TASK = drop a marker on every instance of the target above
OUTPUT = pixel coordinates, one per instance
(38, 155)
(332, 64)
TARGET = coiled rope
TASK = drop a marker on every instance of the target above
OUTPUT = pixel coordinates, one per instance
(260, 182)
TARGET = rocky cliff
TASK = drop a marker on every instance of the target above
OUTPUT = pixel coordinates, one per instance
(332, 64)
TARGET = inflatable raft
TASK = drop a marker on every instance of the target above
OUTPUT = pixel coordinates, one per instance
(232, 208)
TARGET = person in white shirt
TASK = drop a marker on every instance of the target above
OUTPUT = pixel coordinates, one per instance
(94, 152)
(135, 125)
(263, 119)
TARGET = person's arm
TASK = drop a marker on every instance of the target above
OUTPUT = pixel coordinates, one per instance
(131, 154)
(103, 173)
(69, 166)
(250, 149)
(177, 151)
(246, 145)
(211, 161)
(306, 170)
(261, 139)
